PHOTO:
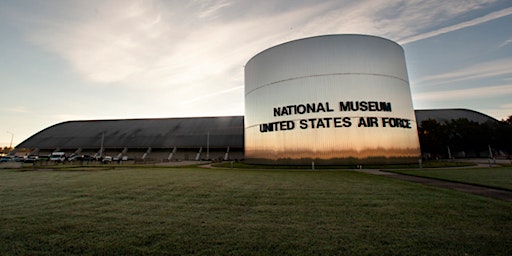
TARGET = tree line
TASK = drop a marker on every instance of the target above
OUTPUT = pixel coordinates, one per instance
(5, 150)
(465, 138)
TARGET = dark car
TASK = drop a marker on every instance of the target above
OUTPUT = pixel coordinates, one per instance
(6, 159)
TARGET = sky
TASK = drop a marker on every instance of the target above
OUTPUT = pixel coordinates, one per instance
(100, 59)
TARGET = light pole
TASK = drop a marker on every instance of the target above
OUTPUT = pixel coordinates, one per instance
(12, 137)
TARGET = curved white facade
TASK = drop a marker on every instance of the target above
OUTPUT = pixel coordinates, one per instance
(336, 99)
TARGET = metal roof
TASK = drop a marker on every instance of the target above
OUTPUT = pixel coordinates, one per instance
(142, 133)
(446, 115)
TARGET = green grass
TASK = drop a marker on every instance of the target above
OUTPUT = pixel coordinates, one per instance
(498, 177)
(194, 211)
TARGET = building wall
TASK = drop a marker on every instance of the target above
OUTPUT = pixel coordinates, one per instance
(333, 99)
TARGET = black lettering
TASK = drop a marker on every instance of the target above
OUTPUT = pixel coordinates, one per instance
(301, 109)
(277, 111)
(320, 107)
(363, 105)
(291, 109)
(347, 122)
(277, 126)
(337, 122)
(328, 108)
(270, 127)
(385, 106)
(284, 111)
(320, 123)
(328, 121)
(303, 124)
(396, 122)
(362, 122)
(373, 122)
(345, 106)
(372, 106)
(291, 125)
(263, 127)
(385, 121)
(283, 126)
(310, 108)
(312, 121)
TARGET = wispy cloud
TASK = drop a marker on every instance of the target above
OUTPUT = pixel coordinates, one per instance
(477, 71)
(197, 50)
(472, 93)
(206, 96)
(16, 109)
(507, 42)
(208, 8)
(474, 22)
(163, 43)
(507, 106)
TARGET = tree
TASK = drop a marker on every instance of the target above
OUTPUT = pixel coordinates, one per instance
(509, 120)
(432, 138)
(503, 135)
(462, 135)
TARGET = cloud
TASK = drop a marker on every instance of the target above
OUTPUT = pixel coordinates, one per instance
(209, 8)
(483, 92)
(482, 70)
(206, 96)
(474, 22)
(109, 46)
(168, 44)
(506, 43)
(17, 109)
(507, 106)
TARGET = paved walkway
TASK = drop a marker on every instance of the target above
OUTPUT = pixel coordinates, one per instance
(473, 189)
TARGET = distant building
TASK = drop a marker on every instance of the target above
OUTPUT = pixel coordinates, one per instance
(446, 115)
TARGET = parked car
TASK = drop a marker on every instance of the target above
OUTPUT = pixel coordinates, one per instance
(43, 158)
(58, 156)
(17, 158)
(11, 159)
(30, 159)
(106, 159)
(117, 159)
(6, 159)
(81, 158)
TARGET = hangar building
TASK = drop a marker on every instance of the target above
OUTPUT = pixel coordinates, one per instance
(168, 139)
(173, 139)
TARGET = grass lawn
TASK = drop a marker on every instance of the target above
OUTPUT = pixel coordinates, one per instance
(499, 177)
(194, 211)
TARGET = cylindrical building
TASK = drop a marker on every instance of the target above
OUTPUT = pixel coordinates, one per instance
(335, 99)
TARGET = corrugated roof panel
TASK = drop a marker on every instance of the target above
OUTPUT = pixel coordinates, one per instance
(141, 133)
(446, 115)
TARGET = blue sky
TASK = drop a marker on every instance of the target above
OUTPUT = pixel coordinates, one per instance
(82, 60)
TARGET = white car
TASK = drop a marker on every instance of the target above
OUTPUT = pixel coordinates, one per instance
(107, 159)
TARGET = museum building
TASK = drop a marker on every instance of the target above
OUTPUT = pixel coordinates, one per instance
(334, 99)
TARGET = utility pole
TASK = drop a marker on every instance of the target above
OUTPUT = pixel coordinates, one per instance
(12, 137)
(208, 145)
